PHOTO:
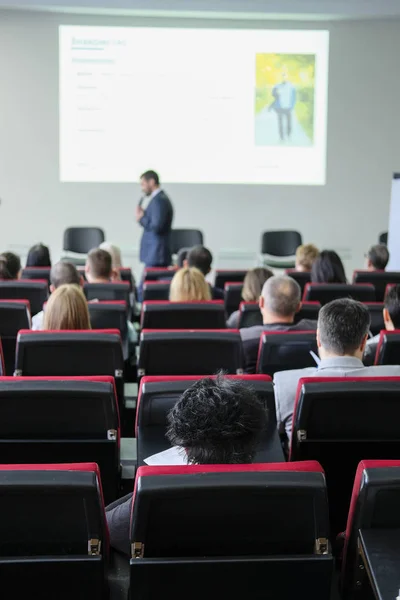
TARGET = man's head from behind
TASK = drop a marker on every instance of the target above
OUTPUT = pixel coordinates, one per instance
(343, 327)
(280, 299)
(391, 312)
(217, 421)
(149, 181)
(62, 273)
(98, 266)
(201, 258)
(377, 257)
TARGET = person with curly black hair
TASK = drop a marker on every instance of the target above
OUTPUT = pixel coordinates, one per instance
(216, 421)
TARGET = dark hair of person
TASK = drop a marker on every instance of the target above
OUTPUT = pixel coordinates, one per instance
(201, 258)
(217, 421)
(328, 268)
(38, 256)
(10, 265)
(100, 263)
(148, 175)
(64, 272)
(392, 303)
(379, 256)
(342, 325)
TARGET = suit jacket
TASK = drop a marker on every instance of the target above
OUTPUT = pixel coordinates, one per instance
(155, 247)
(251, 338)
(285, 382)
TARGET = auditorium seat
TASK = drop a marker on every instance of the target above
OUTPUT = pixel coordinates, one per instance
(35, 291)
(325, 292)
(54, 541)
(379, 279)
(340, 421)
(71, 353)
(82, 239)
(126, 275)
(250, 315)
(388, 350)
(36, 273)
(283, 350)
(72, 419)
(189, 352)
(374, 505)
(157, 395)
(302, 277)
(159, 273)
(242, 531)
(376, 314)
(228, 275)
(111, 315)
(308, 310)
(156, 290)
(183, 315)
(14, 315)
(233, 296)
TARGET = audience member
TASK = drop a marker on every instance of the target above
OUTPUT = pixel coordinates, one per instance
(115, 253)
(67, 309)
(216, 421)
(99, 267)
(328, 268)
(279, 302)
(61, 273)
(10, 266)
(189, 285)
(377, 257)
(252, 286)
(391, 317)
(342, 335)
(38, 256)
(306, 254)
(201, 258)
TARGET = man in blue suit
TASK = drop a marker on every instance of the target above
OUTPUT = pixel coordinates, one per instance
(156, 220)
(284, 102)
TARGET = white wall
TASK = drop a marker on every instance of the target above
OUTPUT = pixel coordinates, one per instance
(347, 214)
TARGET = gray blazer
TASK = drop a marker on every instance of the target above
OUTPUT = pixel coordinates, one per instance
(285, 383)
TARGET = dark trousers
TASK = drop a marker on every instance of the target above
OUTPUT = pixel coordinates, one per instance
(285, 114)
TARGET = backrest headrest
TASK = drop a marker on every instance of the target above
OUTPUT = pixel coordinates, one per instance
(183, 315)
(14, 315)
(190, 352)
(58, 407)
(52, 510)
(329, 408)
(84, 352)
(282, 350)
(325, 292)
(235, 510)
(388, 350)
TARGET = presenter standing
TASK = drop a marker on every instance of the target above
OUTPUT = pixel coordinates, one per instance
(154, 213)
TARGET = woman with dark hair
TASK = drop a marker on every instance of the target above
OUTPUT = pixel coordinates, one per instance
(328, 268)
(38, 256)
(10, 266)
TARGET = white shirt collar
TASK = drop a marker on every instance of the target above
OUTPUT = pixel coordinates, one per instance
(153, 194)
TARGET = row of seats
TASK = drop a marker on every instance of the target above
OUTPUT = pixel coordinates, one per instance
(77, 419)
(15, 316)
(313, 292)
(253, 530)
(36, 292)
(171, 352)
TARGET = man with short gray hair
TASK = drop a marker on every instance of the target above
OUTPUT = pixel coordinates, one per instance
(342, 335)
(279, 302)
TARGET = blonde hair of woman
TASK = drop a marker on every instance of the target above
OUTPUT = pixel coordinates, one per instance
(67, 309)
(189, 285)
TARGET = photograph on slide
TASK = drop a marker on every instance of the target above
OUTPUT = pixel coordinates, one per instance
(284, 99)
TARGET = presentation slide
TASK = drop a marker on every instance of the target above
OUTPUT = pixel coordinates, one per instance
(197, 105)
